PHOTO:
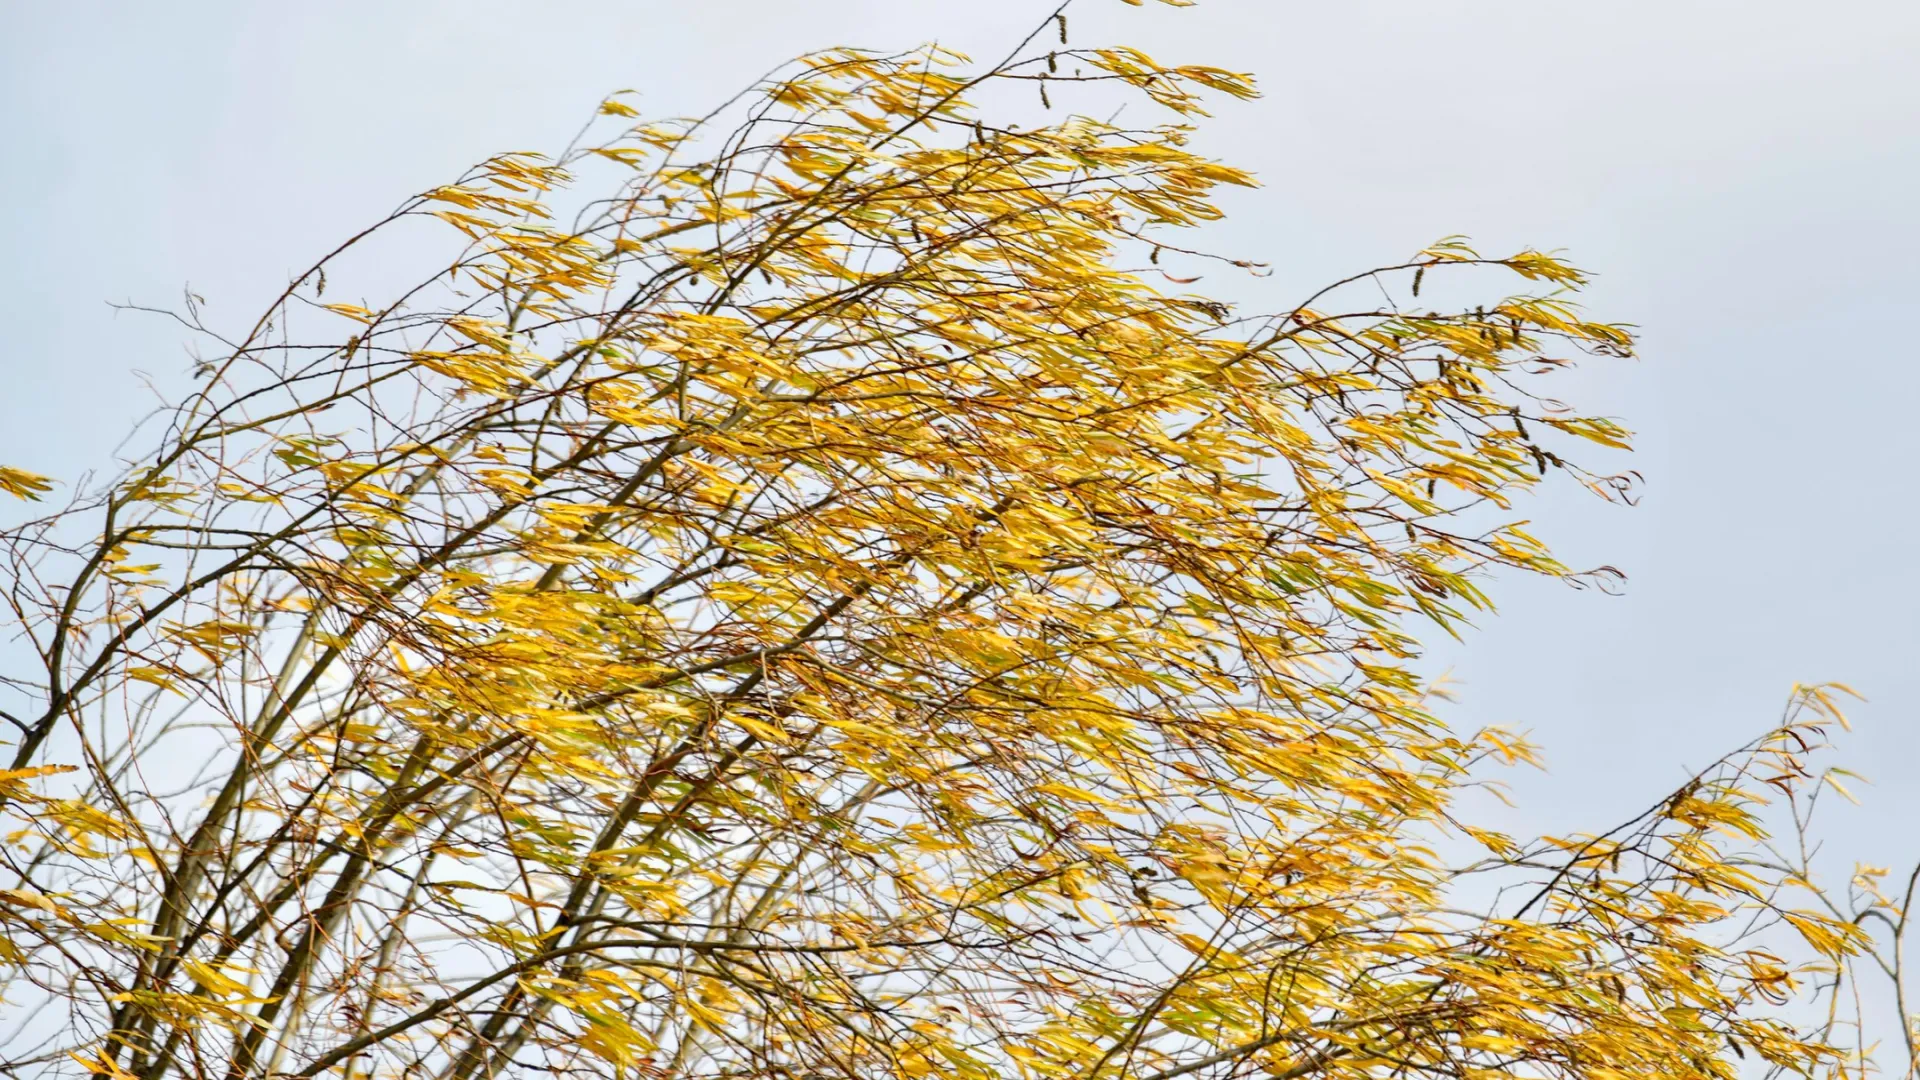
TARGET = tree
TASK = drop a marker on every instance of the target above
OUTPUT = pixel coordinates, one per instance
(1864, 989)
(833, 610)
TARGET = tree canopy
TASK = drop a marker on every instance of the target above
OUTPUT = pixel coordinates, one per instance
(807, 593)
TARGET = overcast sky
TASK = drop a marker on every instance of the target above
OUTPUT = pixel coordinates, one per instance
(1742, 175)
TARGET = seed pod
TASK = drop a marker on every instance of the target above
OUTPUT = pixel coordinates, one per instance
(1417, 276)
(1053, 62)
(1043, 93)
(1062, 20)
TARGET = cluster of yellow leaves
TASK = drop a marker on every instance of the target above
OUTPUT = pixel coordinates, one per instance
(23, 484)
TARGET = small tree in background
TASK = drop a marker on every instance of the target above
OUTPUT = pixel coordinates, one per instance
(834, 607)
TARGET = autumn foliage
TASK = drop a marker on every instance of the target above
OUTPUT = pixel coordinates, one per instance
(808, 593)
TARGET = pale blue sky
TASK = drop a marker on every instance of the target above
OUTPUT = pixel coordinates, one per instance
(1742, 175)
